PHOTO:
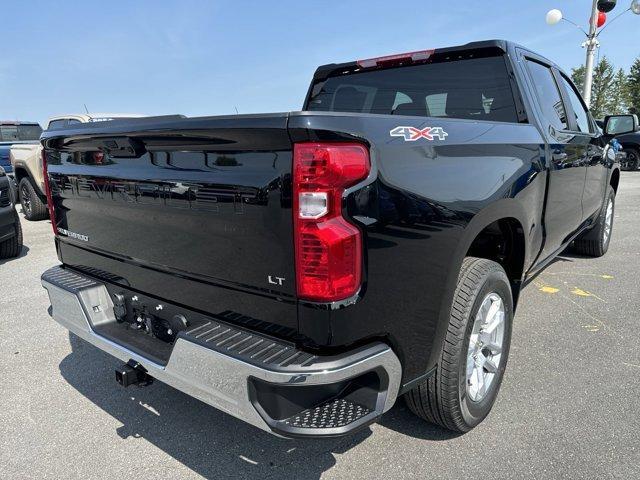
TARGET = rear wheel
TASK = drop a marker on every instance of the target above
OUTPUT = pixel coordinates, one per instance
(13, 246)
(32, 206)
(595, 242)
(474, 353)
(633, 159)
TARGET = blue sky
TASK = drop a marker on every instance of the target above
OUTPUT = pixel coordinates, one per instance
(210, 57)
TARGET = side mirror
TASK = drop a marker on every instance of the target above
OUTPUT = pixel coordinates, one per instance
(620, 124)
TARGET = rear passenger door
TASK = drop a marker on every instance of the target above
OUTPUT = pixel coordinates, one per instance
(586, 134)
(566, 156)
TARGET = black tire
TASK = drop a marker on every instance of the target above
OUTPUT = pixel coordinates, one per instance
(12, 247)
(443, 398)
(633, 159)
(32, 207)
(595, 242)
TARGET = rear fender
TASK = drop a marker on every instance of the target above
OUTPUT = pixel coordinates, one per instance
(504, 208)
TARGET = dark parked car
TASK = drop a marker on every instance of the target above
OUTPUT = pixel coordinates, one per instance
(303, 270)
(630, 140)
(10, 229)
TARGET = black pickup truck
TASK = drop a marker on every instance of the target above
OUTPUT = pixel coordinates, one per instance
(303, 270)
(629, 140)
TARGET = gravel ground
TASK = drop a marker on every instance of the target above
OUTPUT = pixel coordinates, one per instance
(569, 405)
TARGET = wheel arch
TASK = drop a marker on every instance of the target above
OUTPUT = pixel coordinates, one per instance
(512, 214)
(507, 214)
(21, 172)
(614, 179)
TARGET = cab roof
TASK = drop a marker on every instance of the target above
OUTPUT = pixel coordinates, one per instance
(17, 122)
(472, 49)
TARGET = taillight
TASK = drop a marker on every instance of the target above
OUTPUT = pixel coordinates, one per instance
(47, 191)
(328, 249)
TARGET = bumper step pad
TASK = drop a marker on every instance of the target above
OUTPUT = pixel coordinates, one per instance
(333, 414)
(250, 347)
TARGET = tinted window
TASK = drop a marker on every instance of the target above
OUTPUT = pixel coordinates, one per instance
(400, 99)
(476, 89)
(9, 133)
(437, 104)
(548, 95)
(582, 117)
(53, 124)
(15, 133)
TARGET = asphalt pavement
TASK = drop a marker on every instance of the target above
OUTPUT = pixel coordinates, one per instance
(569, 405)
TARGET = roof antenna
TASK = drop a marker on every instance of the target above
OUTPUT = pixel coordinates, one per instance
(236, 110)
(85, 108)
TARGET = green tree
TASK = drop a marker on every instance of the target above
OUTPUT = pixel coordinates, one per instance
(633, 87)
(617, 100)
(603, 79)
(577, 75)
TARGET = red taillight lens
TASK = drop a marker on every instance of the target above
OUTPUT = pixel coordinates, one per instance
(328, 249)
(47, 191)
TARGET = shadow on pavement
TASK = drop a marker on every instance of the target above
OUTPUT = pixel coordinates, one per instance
(404, 421)
(23, 253)
(209, 442)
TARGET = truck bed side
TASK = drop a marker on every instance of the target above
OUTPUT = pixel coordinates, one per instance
(425, 204)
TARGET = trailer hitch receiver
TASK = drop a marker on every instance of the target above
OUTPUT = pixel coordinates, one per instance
(132, 373)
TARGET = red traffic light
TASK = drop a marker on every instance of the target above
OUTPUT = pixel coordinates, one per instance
(602, 18)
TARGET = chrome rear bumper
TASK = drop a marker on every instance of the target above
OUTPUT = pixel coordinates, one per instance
(231, 382)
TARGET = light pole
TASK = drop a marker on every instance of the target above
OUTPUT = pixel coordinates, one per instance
(597, 19)
(592, 44)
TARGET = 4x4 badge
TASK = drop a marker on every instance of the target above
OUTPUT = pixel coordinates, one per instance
(411, 134)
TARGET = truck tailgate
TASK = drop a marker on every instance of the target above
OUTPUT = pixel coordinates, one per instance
(194, 211)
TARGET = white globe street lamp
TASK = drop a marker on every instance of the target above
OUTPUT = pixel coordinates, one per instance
(553, 16)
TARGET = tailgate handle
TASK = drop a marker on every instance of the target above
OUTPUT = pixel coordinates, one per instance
(123, 147)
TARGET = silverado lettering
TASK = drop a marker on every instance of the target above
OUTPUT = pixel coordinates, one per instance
(191, 196)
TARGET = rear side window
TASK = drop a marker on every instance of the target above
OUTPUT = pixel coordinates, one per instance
(582, 117)
(473, 89)
(9, 133)
(17, 133)
(548, 95)
(54, 124)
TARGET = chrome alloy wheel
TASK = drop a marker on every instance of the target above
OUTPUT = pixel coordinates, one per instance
(485, 346)
(608, 222)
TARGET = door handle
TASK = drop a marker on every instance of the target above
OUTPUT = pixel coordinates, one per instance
(559, 157)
